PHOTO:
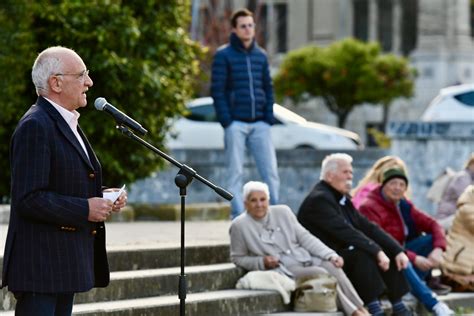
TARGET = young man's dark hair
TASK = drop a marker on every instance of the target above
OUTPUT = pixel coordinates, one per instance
(237, 14)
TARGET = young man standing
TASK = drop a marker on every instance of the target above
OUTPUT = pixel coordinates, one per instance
(243, 98)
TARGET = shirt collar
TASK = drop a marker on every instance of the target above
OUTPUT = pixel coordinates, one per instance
(71, 117)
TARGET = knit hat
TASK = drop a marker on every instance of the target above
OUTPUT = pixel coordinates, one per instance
(391, 173)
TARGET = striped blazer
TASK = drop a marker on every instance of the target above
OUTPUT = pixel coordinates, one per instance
(51, 246)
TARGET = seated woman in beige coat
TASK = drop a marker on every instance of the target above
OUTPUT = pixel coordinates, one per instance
(458, 263)
(264, 238)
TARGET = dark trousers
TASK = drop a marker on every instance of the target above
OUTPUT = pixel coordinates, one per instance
(39, 304)
(368, 280)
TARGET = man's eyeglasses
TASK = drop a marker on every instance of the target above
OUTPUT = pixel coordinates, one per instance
(81, 76)
(247, 26)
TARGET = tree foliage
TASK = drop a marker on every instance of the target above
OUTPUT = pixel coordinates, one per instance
(345, 74)
(140, 58)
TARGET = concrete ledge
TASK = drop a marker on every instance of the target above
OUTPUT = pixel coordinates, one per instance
(172, 212)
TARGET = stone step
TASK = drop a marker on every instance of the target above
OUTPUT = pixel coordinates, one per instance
(156, 282)
(218, 303)
(126, 258)
(162, 282)
(229, 302)
(304, 314)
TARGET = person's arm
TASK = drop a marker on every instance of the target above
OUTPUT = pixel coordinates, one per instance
(386, 242)
(320, 214)
(427, 224)
(369, 211)
(240, 253)
(310, 242)
(219, 83)
(268, 88)
(31, 170)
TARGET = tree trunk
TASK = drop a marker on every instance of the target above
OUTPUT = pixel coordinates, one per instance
(386, 107)
(342, 118)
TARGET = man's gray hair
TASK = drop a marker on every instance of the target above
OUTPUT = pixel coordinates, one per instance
(253, 186)
(47, 64)
(330, 163)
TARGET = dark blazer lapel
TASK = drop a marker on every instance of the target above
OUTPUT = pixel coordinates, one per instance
(92, 157)
(64, 128)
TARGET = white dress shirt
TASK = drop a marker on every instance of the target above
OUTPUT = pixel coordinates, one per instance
(72, 119)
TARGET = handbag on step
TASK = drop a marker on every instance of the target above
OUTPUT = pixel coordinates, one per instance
(316, 293)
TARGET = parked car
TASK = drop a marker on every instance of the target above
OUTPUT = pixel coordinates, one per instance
(452, 104)
(199, 129)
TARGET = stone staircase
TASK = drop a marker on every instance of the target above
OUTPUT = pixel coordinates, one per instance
(144, 281)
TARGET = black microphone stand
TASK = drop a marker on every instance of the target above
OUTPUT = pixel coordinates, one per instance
(183, 178)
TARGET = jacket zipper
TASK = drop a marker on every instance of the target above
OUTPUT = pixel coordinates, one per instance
(252, 97)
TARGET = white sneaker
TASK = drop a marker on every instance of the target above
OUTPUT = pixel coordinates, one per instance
(441, 309)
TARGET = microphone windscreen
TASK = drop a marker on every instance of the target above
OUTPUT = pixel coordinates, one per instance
(100, 103)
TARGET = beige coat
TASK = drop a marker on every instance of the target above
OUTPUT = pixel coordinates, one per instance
(459, 255)
(278, 234)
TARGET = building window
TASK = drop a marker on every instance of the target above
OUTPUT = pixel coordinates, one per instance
(281, 27)
(261, 33)
(361, 19)
(277, 32)
(385, 24)
(472, 17)
(409, 25)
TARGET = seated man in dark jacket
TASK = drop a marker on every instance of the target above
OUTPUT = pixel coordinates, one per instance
(328, 213)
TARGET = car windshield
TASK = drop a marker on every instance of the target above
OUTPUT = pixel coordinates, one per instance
(466, 98)
(206, 113)
(202, 113)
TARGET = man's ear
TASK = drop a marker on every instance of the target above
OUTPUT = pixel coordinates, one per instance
(329, 176)
(55, 84)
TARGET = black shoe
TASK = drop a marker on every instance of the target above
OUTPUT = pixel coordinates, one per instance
(438, 287)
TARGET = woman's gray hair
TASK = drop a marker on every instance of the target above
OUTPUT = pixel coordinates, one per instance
(47, 63)
(330, 163)
(253, 186)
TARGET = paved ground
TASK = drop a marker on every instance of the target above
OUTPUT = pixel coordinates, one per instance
(157, 233)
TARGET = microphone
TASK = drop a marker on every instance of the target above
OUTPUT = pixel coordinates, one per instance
(101, 104)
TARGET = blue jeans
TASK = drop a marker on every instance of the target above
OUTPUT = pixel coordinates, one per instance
(40, 304)
(419, 288)
(422, 246)
(256, 137)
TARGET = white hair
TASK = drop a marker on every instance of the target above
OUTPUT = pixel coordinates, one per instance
(330, 163)
(253, 186)
(47, 64)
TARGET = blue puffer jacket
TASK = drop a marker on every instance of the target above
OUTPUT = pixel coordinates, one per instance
(241, 83)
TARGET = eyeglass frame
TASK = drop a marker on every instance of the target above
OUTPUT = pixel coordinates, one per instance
(246, 26)
(81, 75)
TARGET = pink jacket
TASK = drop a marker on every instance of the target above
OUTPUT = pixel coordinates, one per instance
(362, 193)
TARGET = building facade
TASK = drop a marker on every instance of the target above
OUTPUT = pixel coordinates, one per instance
(436, 35)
